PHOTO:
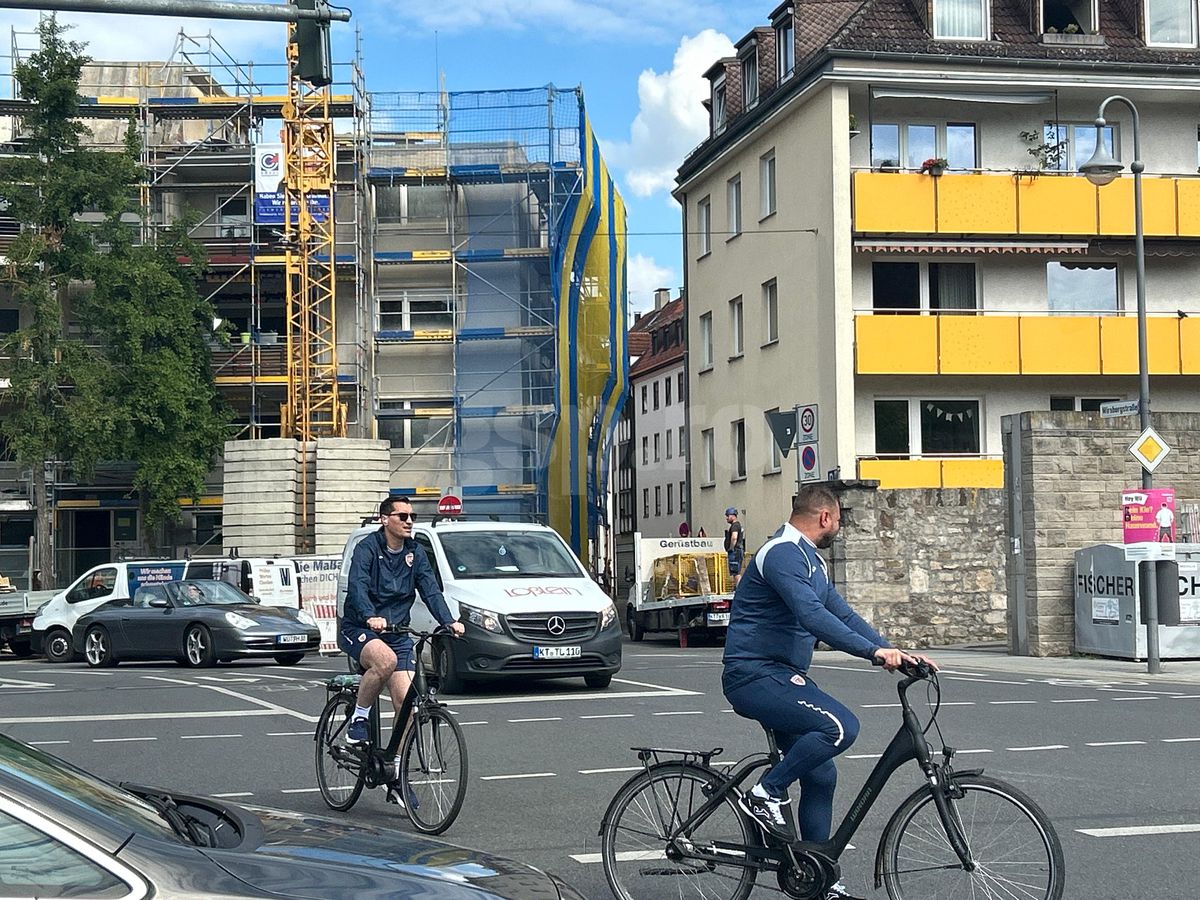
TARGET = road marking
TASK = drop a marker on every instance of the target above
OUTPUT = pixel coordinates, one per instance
(288, 733)
(121, 740)
(610, 716)
(1126, 690)
(1119, 699)
(1086, 700)
(510, 777)
(988, 681)
(682, 712)
(963, 702)
(465, 724)
(543, 719)
(1010, 702)
(863, 755)
(279, 710)
(1140, 830)
(18, 684)
(1114, 743)
(234, 794)
(1185, 696)
(299, 790)
(881, 706)
(609, 771)
(1179, 740)
(128, 717)
(199, 737)
(1045, 747)
(961, 752)
(623, 856)
(46, 743)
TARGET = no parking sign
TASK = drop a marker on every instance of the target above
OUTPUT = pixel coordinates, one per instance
(810, 464)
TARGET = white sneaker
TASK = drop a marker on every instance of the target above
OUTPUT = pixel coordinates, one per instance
(769, 814)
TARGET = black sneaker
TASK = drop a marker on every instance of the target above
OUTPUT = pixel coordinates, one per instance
(839, 892)
(772, 815)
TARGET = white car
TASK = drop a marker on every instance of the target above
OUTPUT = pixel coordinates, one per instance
(529, 607)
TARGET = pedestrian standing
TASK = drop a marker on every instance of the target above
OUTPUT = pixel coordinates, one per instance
(735, 543)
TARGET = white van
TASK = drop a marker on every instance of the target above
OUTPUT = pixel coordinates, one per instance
(271, 581)
(528, 605)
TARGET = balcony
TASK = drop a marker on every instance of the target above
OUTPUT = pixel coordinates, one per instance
(1015, 204)
(957, 472)
(1022, 344)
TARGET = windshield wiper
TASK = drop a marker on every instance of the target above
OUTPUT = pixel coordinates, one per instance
(181, 823)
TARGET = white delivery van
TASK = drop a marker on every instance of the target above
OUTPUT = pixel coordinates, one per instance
(528, 605)
(272, 582)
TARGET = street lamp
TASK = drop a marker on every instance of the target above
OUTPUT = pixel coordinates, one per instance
(1100, 170)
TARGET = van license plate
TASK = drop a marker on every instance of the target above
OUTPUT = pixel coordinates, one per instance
(293, 638)
(718, 618)
(557, 652)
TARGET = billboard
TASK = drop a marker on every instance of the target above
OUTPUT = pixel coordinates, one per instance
(268, 187)
(1148, 515)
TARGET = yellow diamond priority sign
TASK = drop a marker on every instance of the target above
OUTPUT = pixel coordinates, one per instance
(1149, 449)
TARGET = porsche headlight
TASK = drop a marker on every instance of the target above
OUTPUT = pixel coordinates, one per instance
(239, 621)
(485, 619)
(607, 616)
(306, 617)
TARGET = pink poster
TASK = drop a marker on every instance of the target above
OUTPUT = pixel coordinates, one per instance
(1149, 515)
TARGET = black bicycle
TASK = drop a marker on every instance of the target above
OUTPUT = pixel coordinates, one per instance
(423, 765)
(676, 828)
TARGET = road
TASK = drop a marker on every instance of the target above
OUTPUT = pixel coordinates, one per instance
(1113, 762)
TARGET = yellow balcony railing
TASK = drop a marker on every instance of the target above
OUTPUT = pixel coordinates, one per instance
(957, 472)
(1026, 344)
(1018, 204)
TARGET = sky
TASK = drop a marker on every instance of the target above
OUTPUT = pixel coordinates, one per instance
(640, 66)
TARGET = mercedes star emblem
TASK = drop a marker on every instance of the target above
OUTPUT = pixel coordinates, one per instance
(556, 625)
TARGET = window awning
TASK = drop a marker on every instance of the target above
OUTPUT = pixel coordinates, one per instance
(876, 245)
(1153, 248)
(1026, 98)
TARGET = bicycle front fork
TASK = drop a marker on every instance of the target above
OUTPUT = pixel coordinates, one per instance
(945, 792)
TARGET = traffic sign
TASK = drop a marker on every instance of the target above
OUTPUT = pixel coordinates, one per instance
(810, 464)
(807, 418)
(1114, 409)
(783, 428)
(449, 506)
(1149, 449)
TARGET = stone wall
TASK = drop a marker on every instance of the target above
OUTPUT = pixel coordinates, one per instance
(352, 476)
(1072, 470)
(924, 566)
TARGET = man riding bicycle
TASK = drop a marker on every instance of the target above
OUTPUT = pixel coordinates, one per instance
(387, 569)
(783, 605)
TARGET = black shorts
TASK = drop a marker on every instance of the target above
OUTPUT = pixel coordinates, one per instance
(352, 639)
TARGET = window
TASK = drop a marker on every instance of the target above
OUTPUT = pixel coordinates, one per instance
(766, 184)
(1072, 144)
(770, 296)
(681, 391)
(682, 441)
(10, 320)
(922, 286)
(944, 427)
(1171, 23)
(645, 399)
(682, 499)
(416, 424)
(656, 447)
(785, 48)
(1079, 404)
(658, 500)
(961, 145)
(654, 393)
(667, 391)
(1059, 14)
(670, 499)
(33, 864)
(420, 309)
(710, 459)
(718, 104)
(1082, 287)
(427, 545)
(895, 145)
(669, 436)
(776, 455)
(736, 322)
(750, 78)
(645, 503)
(885, 146)
(704, 225)
(645, 449)
(733, 195)
(960, 19)
(738, 430)
(208, 528)
(410, 204)
(233, 216)
(94, 585)
(706, 341)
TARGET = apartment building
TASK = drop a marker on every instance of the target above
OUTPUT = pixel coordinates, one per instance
(886, 220)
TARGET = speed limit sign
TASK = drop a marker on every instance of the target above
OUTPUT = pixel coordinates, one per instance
(806, 416)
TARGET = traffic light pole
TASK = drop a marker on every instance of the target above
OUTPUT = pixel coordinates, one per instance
(207, 9)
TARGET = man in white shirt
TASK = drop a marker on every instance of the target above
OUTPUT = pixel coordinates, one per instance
(1165, 518)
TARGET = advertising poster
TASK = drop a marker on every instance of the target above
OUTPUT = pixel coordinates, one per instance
(318, 594)
(268, 187)
(1148, 515)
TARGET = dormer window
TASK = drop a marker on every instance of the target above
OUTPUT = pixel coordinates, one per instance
(960, 20)
(1070, 16)
(785, 48)
(1171, 23)
(718, 105)
(750, 78)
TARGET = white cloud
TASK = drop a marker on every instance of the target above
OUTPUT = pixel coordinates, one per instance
(644, 276)
(670, 119)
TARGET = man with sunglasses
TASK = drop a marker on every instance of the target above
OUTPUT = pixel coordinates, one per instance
(387, 569)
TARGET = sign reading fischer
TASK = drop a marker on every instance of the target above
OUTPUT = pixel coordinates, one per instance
(1105, 585)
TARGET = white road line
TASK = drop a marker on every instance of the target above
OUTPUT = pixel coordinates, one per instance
(200, 737)
(988, 681)
(510, 777)
(1129, 690)
(1180, 740)
(681, 712)
(961, 752)
(128, 740)
(881, 706)
(964, 702)
(863, 755)
(299, 790)
(610, 716)
(608, 771)
(235, 794)
(543, 719)
(465, 724)
(1185, 696)
(1140, 830)
(1130, 699)
(1011, 702)
(280, 710)
(1084, 700)
(1114, 743)
(288, 733)
(127, 717)
(46, 743)
(610, 695)
(1045, 747)
(623, 856)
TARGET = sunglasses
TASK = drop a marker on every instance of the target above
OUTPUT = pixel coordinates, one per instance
(407, 517)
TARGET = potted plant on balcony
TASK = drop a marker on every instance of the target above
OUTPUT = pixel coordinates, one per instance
(854, 131)
(934, 166)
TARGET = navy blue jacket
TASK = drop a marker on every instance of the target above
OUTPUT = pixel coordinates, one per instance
(783, 605)
(385, 584)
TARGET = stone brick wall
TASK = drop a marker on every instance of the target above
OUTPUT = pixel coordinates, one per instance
(1073, 468)
(733, 88)
(765, 41)
(925, 567)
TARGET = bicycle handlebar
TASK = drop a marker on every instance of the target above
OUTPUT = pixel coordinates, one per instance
(412, 632)
(909, 670)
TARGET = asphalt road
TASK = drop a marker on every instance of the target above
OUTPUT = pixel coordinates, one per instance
(1113, 762)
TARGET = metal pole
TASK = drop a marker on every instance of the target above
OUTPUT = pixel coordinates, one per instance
(207, 9)
(796, 447)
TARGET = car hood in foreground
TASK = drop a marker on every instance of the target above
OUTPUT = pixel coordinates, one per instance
(317, 857)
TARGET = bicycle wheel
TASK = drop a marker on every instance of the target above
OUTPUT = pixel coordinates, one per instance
(340, 770)
(634, 838)
(1015, 848)
(433, 770)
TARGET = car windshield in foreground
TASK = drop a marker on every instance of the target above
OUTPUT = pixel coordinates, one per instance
(508, 554)
(77, 787)
(206, 593)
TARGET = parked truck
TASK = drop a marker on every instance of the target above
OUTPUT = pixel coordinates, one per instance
(17, 610)
(681, 585)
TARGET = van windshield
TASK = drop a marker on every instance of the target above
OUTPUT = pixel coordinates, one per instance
(508, 554)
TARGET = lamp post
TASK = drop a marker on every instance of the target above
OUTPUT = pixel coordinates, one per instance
(1100, 170)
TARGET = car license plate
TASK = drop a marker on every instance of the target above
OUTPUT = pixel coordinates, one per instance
(292, 638)
(557, 652)
(718, 618)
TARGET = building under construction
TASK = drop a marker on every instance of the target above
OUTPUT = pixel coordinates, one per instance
(464, 283)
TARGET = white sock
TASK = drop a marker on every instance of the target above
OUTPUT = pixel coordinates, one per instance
(362, 712)
(759, 791)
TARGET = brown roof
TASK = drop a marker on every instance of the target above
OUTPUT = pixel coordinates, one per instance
(647, 360)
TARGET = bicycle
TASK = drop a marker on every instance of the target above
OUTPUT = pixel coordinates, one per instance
(430, 779)
(960, 835)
